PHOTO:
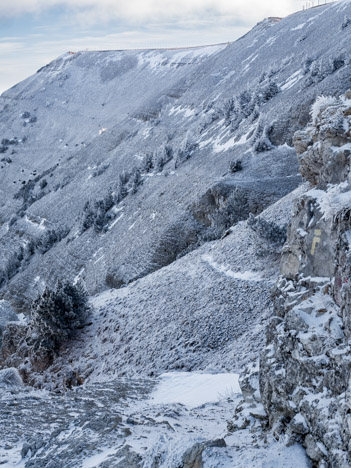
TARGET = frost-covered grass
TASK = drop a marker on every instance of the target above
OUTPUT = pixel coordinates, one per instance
(320, 104)
(102, 456)
(196, 308)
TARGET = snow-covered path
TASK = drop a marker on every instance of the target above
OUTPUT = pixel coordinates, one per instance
(134, 423)
(225, 270)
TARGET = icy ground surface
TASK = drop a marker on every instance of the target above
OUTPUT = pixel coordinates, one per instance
(133, 423)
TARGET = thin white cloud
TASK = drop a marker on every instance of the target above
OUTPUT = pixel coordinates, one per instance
(10, 38)
(10, 47)
(91, 11)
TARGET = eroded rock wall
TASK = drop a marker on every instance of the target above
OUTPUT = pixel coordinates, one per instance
(304, 383)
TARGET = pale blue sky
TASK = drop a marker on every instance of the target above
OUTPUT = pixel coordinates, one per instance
(34, 32)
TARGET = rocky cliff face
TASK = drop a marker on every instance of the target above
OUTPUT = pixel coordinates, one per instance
(304, 378)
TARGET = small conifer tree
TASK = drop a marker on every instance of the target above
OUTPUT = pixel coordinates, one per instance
(56, 315)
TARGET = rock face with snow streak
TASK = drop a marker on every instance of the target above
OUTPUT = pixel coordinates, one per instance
(304, 377)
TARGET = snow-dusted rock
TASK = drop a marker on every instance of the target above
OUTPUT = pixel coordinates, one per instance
(305, 367)
(249, 382)
(192, 458)
(10, 378)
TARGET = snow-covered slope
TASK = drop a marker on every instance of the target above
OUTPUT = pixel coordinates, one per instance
(162, 180)
(205, 311)
(87, 117)
(116, 164)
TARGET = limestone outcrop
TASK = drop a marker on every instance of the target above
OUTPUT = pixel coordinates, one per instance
(303, 382)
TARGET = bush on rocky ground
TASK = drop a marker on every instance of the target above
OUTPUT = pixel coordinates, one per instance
(56, 315)
(235, 166)
(268, 230)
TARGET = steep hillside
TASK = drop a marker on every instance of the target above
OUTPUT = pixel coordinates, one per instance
(163, 181)
(118, 162)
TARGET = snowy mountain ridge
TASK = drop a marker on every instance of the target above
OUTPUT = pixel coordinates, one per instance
(163, 181)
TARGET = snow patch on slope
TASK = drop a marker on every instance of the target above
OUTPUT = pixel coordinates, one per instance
(243, 276)
(193, 389)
